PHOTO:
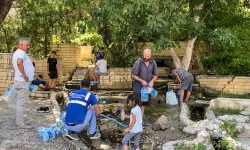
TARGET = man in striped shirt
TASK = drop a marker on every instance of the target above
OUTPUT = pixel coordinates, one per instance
(186, 80)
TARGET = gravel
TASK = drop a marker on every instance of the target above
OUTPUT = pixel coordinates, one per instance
(12, 138)
(160, 137)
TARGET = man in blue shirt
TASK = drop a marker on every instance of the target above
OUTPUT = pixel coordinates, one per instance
(80, 114)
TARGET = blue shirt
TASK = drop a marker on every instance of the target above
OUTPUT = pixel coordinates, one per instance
(79, 102)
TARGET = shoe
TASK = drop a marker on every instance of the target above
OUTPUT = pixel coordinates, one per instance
(72, 136)
(46, 109)
(41, 109)
(95, 136)
(24, 127)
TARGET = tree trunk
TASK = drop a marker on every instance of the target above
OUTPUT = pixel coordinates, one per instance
(190, 44)
(175, 57)
(198, 57)
(5, 6)
(188, 53)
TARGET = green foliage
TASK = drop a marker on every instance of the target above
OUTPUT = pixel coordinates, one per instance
(220, 111)
(227, 145)
(8, 36)
(182, 146)
(230, 127)
(229, 38)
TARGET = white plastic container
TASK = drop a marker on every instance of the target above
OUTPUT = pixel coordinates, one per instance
(171, 98)
(9, 95)
(122, 114)
(46, 134)
(153, 92)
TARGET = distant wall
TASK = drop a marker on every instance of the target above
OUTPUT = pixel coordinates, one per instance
(72, 56)
(226, 84)
(7, 70)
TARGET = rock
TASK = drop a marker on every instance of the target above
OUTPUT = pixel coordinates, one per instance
(236, 118)
(169, 145)
(245, 113)
(108, 128)
(189, 129)
(161, 123)
(202, 137)
(245, 132)
(210, 115)
(117, 108)
(185, 115)
(239, 127)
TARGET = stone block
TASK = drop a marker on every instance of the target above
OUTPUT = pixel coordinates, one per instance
(242, 87)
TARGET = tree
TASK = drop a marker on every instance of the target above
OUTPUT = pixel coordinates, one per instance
(5, 6)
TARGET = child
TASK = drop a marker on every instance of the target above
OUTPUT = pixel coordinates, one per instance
(135, 126)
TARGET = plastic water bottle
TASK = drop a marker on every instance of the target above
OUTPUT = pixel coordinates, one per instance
(171, 97)
(153, 92)
(9, 94)
(39, 130)
(122, 114)
(62, 121)
(33, 88)
(56, 129)
(46, 134)
(144, 94)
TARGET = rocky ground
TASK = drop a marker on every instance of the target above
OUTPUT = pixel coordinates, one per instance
(173, 131)
(173, 126)
(12, 138)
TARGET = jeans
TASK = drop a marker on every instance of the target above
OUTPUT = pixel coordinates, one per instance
(90, 121)
(22, 95)
(38, 82)
(129, 136)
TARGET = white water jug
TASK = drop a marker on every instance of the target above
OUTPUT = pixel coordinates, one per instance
(171, 97)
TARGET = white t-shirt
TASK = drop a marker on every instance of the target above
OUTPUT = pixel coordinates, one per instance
(138, 124)
(27, 63)
(102, 65)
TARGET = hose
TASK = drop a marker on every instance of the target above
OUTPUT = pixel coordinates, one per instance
(112, 119)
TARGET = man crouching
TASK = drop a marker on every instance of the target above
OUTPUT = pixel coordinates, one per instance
(80, 114)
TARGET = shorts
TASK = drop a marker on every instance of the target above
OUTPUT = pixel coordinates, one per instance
(99, 73)
(53, 75)
(187, 83)
(148, 103)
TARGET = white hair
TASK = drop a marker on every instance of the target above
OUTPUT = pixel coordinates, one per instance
(147, 50)
(22, 39)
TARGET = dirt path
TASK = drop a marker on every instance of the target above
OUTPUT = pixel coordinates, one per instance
(12, 138)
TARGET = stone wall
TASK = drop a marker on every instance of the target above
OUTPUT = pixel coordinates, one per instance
(7, 71)
(72, 56)
(120, 78)
(226, 84)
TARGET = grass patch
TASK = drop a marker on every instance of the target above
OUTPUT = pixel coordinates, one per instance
(229, 95)
(230, 127)
(224, 144)
(182, 146)
(220, 111)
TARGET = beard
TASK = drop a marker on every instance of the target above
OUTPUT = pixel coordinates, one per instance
(146, 60)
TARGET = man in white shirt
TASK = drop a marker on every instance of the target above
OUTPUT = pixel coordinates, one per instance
(102, 67)
(24, 75)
